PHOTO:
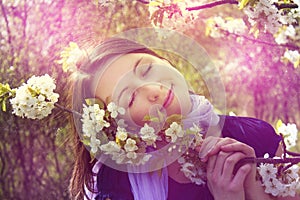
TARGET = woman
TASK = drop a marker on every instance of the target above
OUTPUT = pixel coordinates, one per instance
(143, 83)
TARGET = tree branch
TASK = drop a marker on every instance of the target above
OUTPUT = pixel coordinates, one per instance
(291, 161)
(67, 110)
(211, 5)
(222, 2)
(285, 5)
(290, 46)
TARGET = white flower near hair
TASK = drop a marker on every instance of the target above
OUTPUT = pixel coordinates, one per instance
(121, 134)
(174, 131)
(110, 147)
(121, 123)
(101, 131)
(115, 110)
(148, 134)
(36, 98)
(70, 56)
(93, 120)
(130, 145)
(94, 144)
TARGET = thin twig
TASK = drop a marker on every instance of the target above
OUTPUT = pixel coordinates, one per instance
(292, 161)
(292, 153)
(264, 42)
(67, 110)
(270, 160)
(283, 145)
(211, 5)
(285, 5)
(222, 2)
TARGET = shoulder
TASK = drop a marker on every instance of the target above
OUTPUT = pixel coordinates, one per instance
(254, 132)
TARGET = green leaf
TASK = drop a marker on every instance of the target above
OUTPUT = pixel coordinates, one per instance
(151, 118)
(278, 124)
(33, 92)
(244, 3)
(92, 101)
(5, 93)
(4, 88)
(86, 141)
(3, 106)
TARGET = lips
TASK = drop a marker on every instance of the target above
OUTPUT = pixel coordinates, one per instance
(169, 98)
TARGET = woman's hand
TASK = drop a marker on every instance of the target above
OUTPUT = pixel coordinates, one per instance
(222, 155)
(222, 182)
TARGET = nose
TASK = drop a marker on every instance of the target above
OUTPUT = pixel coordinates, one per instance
(151, 92)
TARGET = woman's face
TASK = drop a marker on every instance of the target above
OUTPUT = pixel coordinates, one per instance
(142, 84)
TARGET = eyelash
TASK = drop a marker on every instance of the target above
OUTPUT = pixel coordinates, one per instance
(143, 74)
(131, 99)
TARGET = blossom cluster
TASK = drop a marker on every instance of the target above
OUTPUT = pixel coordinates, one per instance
(171, 14)
(122, 146)
(265, 16)
(103, 133)
(276, 183)
(216, 26)
(70, 56)
(293, 57)
(290, 133)
(36, 98)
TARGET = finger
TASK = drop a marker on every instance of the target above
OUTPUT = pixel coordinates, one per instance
(219, 168)
(207, 146)
(240, 176)
(215, 148)
(239, 146)
(231, 161)
(211, 165)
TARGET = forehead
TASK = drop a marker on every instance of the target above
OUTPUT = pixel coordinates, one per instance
(113, 73)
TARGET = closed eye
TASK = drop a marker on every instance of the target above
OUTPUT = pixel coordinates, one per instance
(145, 72)
(132, 98)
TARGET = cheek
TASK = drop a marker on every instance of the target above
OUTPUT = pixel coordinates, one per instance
(138, 113)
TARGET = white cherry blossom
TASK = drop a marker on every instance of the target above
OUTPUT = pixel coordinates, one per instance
(115, 110)
(121, 134)
(94, 144)
(148, 134)
(130, 145)
(36, 98)
(174, 131)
